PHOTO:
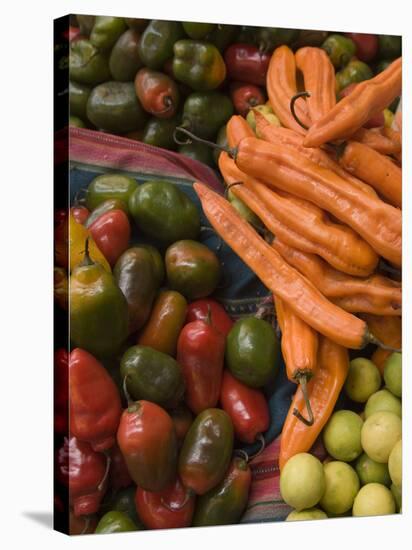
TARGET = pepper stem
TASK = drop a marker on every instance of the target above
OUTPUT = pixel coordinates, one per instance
(86, 260)
(178, 506)
(371, 339)
(303, 379)
(106, 472)
(230, 151)
(292, 108)
(246, 456)
(126, 392)
(228, 187)
(208, 319)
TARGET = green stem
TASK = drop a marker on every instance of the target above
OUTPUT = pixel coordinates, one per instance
(303, 384)
(229, 150)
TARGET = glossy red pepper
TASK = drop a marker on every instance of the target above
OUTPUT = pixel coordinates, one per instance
(366, 45)
(245, 96)
(147, 440)
(164, 510)
(247, 408)
(84, 472)
(111, 233)
(246, 63)
(80, 214)
(200, 352)
(157, 92)
(61, 391)
(199, 310)
(119, 476)
(95, 406)
(376, 121)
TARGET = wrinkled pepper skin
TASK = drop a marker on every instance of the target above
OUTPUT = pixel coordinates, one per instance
(340, 49)
(61, 391)
(95, 406)
(197, 31)
(111, 232)
(245, 63)
(199, 310)
(159, 132)
(192, 269)
(119, 477)
(206, 451)
(83, 471)
(113, 106)
(107, 206)
(155, 515)
(247, 408)
(156, 43)
(198, 64)
(98, 310)
(165, 323)
(87, 65)
(135, 275)
(115, 522)
(147, 440)
(225, 503)
(201, 352)
(106, 30)
(124, 61)
(157, 92)
(251, 351)
(205, 112)
(109, 187)
(152, 375)
(164, 212)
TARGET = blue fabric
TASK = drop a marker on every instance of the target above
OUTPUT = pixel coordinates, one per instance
(240, 292)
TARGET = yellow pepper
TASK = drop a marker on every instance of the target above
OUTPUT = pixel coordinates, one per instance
(78, 234)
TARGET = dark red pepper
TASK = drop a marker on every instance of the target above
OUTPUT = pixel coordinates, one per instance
(95, 406)
(157, 92)
(182, 419)
(245, 96)
(374, 122)
(200, 352)
(84, 472)
(199, 310)
(61, 391)
(366, 45)
(80, 214)
(119, 477)
(246, 63)
(111, 233)
(164, 510)
(247, 408)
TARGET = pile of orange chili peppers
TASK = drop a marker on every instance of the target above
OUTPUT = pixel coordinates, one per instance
(329, 194)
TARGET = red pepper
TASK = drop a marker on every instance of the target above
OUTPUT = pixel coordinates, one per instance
(157, 92)
(366, 45)
(245, 97)
(376, 121)
(95, 406)
(111, 233)
(61, 391)
(80, 214)
(247, 407)
(81, 525)
(148, 443)
(200, 352)
(119, 476)
(84, 472)
(246, 63)
(164, 510)
(199, 310)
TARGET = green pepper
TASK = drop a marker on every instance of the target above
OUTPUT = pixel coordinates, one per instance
(135, 274)
(390, 46)
(109, 186)
(310, 38)
(198, 31)
(106, 30)
(221, 36)
(206, 451)
(115, 522)
(156, 43)
(269, 38)
(87, 64)
(355, 71)
(76, 121)
(98, 309)
(225, 503)
(124, 61)
(192, 269)
(252, 351)
(114, 107)
(137, 24)
(152, 375)
(164, 212)
(106, 206)
(159, 132)
(198, 151)
(221, 139)
(198, 64)
(78, 96)
(205, 112)
(122, 501)
(158, 263)
(340, 49)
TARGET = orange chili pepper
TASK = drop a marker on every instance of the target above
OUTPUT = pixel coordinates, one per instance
(389, 331)
(383, 140)
(323, 392)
